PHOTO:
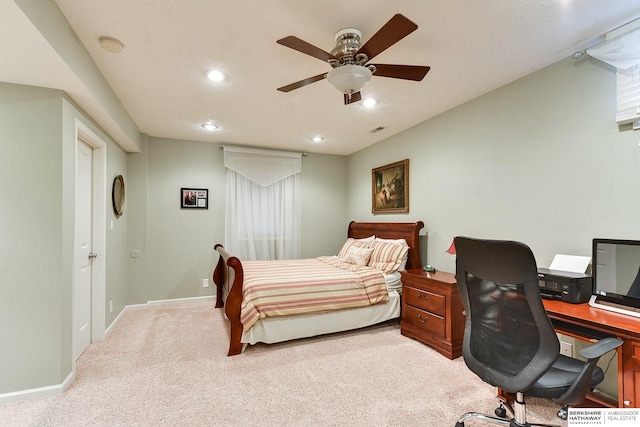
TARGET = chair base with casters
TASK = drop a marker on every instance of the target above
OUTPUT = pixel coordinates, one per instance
(516, 415)
(509, 340)
(562, 374)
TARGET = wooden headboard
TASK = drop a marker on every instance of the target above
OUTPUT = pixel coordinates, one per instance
(392, 230)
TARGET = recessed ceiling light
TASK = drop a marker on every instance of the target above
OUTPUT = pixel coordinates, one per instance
(317, 139)
(215, 75)
(370, 102)
(209, 126)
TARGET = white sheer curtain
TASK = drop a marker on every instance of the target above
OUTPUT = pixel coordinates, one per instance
(262, 203)
(623, 52)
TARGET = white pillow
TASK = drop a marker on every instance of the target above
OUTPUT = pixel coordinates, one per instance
(387, 257)
(361, 243)
(358, 256)
(402, 242)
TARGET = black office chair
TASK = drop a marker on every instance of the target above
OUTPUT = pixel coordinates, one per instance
(509, 340)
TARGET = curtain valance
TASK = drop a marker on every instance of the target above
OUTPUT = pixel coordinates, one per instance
(264, 167)
(623, 51)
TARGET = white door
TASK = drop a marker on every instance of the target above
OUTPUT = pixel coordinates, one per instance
(83, 248)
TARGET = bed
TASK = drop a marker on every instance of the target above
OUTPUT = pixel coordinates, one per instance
(376, 299)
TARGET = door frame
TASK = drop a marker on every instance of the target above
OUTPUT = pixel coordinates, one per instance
(99, 234)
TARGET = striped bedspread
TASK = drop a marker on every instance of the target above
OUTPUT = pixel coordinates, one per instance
(314, 285)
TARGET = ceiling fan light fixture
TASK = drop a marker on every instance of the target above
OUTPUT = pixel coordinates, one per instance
(349, 78)
(349, 59)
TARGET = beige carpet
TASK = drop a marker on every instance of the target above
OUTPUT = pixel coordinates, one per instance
(166, 365)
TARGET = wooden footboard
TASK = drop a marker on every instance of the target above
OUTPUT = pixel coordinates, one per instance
(228, 277)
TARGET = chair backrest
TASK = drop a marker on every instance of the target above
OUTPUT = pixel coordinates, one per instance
(509, 340)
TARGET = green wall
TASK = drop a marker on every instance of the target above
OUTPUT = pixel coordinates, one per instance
(540, 160)
(176, 245)
(33, 250)
(37, 152)
(324, 204)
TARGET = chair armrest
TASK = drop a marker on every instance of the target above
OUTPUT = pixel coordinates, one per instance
(578, 390)
(599, 348)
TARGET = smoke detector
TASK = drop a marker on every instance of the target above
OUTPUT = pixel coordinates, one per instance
(110, 44)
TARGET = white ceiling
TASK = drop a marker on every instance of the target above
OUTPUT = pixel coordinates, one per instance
(472, 47)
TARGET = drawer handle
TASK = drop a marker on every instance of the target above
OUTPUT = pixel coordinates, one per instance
(422, 319)
(424, 296)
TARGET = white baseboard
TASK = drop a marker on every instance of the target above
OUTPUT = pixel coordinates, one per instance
(114, 323)
(169, 301)
(15, 396)
(33, 393)
(150, 303)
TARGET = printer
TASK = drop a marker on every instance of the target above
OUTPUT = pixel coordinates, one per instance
(565, 286)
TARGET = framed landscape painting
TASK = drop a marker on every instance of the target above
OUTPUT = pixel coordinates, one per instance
(390, 188)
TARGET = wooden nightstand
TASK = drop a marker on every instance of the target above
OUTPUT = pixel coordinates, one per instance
(432, 310)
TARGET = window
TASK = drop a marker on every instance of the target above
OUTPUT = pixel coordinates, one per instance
(262, 203)
(628, 95)
(621, 49)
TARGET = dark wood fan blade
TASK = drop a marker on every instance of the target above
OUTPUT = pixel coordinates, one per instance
(302, 46)
(355, 97)
(392, 32)
(307, 81)
(406, 72)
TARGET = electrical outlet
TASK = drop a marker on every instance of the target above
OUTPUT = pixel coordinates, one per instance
(111, 306)
(205, 283)
(566, 348)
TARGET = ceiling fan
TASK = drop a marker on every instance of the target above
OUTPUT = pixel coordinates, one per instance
(349, 60)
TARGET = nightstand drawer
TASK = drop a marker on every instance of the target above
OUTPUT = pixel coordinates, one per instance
(424, 320)
(432, 310)
(425, 300)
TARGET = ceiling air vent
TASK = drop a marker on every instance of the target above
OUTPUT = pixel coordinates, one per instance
(378, 129)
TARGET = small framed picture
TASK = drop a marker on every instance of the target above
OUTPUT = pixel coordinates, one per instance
(390, 188)
(194, 198)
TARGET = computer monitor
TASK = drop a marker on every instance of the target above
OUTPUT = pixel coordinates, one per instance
(616, 275)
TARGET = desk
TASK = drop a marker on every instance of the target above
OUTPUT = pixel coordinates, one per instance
(588, 323)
